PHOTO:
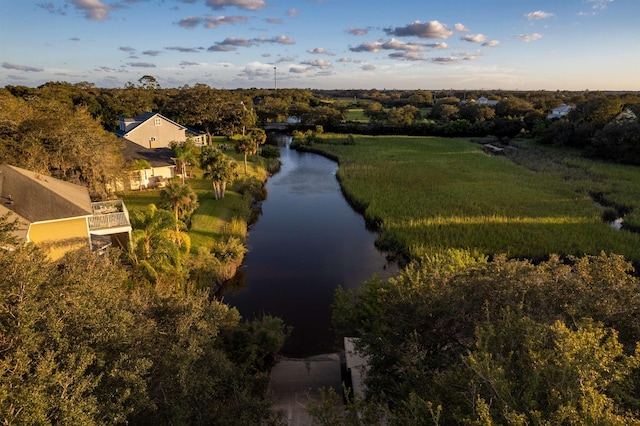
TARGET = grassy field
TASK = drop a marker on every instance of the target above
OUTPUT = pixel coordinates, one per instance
(431, 194)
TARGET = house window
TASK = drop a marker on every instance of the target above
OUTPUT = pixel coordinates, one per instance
(152, 139)
(157, 121)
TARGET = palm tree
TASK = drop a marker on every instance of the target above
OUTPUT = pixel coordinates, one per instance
(181, 198)
(219, 168)
(153, 247)
(247, 147)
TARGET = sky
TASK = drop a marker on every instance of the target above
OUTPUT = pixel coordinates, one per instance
(324, 44)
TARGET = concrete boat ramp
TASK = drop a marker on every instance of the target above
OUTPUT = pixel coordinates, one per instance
(293, 381)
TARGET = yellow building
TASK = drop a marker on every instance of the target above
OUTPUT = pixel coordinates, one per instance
(59, 216)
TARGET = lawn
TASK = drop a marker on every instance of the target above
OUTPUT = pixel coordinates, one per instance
(213, 219)
(430, 194)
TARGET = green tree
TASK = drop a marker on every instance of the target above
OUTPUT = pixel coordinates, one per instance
(185, 153)
(518, 342)
(71, 344)
(404, 116)
(219, 168)
(375, 112)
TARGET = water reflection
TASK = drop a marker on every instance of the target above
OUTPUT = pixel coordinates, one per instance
(307, 242)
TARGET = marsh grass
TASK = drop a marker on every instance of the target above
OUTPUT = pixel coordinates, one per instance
(432, 194)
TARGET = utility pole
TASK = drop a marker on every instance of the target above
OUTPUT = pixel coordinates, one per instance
(275, 79)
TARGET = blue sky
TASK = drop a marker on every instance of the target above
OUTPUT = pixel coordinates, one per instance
(324, 44)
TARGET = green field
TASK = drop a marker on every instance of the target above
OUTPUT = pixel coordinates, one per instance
(431, 194)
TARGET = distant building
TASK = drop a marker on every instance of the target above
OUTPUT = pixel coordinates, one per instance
(484, 101)
(562, 111)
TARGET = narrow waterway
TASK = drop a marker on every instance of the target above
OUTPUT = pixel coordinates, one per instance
(307, 242)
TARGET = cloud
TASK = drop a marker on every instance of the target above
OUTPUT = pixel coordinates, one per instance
(395, 44)
(74, 39)
(241, 4)
(368, 67)
(189, 22)
(298, 69)
(215, 21)
(51, 8)
(188, 64)
(318, 63)
(538, 14)
(409, 56)
(529, 37)
(230, 43)
(461, 28)
(600, 4)
(292, 13)
(345, 59)
(431, 29)
(367, 46)
(320, 51)
(127, 49)
(221, 48)
(357, 31)
(25, 68)
(285, 59)
(257, 70)
(444, 60)
(474, 38)
(151, 52)
(441, 45)
(141, 64)
(183, 49)
(276, 21)
(492, 43)
(94, 10)
(282, 39)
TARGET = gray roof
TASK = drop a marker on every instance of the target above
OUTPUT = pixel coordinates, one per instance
(157, 157)
(36, 197)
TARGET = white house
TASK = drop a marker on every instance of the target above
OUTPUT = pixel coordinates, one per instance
(562, 111)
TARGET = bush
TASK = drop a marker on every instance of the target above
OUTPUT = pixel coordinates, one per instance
(269, 151)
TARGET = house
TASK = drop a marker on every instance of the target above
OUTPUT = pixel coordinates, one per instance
(161, 162)
(484, 101)
(559, 112)
(59, 216)
(626, 116)
(152, 130)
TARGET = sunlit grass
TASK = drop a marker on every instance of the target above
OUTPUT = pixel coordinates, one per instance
(430, 194)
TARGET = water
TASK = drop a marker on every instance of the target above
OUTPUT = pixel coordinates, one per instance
(307, 242)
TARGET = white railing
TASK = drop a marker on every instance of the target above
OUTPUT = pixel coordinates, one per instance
(110, 220)
(109, 214)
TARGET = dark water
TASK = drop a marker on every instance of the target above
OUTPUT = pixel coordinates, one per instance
(307, 242)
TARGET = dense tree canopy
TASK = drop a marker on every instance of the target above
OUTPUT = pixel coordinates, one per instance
(83, 344)
(504, 341)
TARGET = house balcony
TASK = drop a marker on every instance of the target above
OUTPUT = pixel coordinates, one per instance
(109, 217)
